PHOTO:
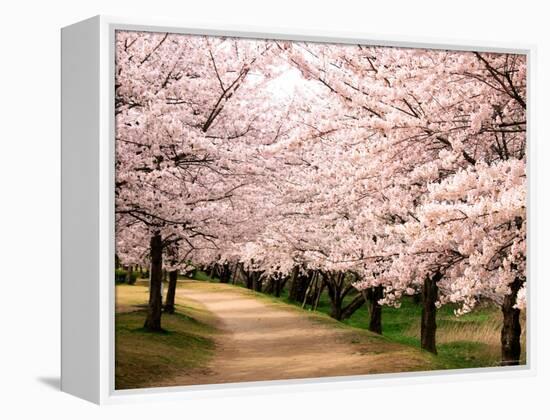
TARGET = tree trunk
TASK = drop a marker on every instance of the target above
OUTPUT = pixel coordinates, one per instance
(211, 270)
(374, 294)
(318, 297)
(334, 284)
(510, 334)
(131, 276)
(428, 326)
(169, 305)
(225, 273)
(293, 283)
(239, 275)
(256, 281)
(277, 283)
(152, 322)
(350, 309)
(298, 288)
(335, 300)
(335, 309)
(269, 287)
(249, 279)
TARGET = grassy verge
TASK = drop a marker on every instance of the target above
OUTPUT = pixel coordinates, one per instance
(468, 341)
(143, 358)
(457, 347)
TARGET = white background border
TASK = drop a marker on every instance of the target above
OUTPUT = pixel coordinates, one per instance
(30, 210)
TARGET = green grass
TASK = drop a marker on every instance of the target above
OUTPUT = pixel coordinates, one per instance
(454, 334)
(142, 357)
(202, 276)
(468, 341)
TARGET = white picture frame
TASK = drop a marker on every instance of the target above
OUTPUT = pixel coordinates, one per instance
(88, 214)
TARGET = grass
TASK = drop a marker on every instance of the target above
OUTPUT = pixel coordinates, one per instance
(468, 341)
(456, 345)
(143, 358)
(201, 276)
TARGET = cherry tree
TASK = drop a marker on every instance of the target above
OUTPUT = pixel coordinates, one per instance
(436, 114)
(181, 114)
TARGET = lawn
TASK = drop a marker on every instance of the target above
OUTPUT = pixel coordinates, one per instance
(142, 358)
(468, 341)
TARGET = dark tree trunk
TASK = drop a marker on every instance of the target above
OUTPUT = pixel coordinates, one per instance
(510, 334)
(249, 276)
(428, 325)
(300, 283)
(314, 283)
(225, 273)
(270, 286)
(374, 294)
(337, 291)
(334, 296)
(256, 281)
(305, 280)
(131, 276)
(169, 305)
(318, 297)
(293, 283)
(277, 286)
(350, 309)
(336, 309)
(281, 282)
(238, 273)
(152, 322)
(212, 270)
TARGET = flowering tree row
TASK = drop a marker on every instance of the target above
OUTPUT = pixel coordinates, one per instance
(386, 171)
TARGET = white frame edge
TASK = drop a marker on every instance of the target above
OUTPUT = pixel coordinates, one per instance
(88, 231)
(80, 270)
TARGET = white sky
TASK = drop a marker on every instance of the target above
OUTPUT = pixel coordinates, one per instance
(284, 85)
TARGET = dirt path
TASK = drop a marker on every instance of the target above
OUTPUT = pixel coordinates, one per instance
(261, 340)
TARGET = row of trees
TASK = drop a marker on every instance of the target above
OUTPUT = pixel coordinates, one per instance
(388, 171)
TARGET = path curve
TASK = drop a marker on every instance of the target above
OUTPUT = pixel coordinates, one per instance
(260, 340)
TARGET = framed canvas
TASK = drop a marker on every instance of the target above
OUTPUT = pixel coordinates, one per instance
(255, 210)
